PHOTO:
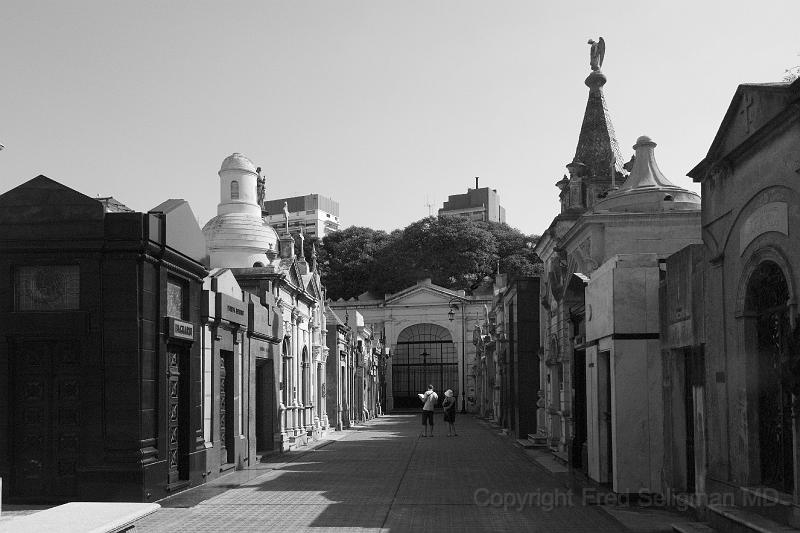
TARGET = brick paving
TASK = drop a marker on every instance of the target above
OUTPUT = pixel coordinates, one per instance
(383, 477)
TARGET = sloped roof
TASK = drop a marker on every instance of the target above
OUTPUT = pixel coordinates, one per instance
(422, 286)
(753, 106)
(183, 233)
(332, 317)
(42, 200)
(112, 205)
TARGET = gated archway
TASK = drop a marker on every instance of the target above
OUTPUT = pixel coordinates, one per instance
(424, 354)
(766, 302)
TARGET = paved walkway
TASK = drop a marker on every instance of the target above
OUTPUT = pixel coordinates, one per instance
(383, 477)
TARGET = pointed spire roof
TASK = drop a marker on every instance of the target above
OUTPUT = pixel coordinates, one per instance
(647, 189)
(597, 148)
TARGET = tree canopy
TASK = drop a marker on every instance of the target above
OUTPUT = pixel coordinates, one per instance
(453, 251)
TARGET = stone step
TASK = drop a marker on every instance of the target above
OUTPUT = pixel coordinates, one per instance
(776, 506)
(693, 527)
(733, 519)
(561, 457)
(79, 517)
(538, 441)
(525, 443)
(537, 438)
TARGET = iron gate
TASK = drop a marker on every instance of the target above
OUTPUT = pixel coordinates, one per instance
(424, 355)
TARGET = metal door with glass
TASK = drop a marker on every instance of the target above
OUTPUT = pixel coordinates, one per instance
(177, 419)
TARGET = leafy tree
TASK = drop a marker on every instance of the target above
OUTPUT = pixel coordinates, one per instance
(394, 268)
(453, 251)
(515, 249)
(347, 259)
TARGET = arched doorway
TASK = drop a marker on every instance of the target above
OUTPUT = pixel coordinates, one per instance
(766, 301)
(424, 354)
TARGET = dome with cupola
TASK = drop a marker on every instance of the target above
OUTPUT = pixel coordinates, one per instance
(647, 189)
(237, 161)
(238, 237)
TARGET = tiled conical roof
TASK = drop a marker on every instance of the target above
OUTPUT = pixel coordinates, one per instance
(597, 146)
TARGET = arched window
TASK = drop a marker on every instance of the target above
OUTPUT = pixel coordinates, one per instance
(234, 190)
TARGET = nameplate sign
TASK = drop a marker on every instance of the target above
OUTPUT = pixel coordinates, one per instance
(231, 309)
(179, 329)
(768, 217)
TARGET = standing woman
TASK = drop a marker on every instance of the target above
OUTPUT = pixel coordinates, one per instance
(449, 406)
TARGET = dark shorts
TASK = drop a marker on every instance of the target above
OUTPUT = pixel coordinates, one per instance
(427, 418)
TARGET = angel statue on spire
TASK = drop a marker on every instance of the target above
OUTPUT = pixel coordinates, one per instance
(596, 53)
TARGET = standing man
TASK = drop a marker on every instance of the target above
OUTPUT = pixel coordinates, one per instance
(429, 399)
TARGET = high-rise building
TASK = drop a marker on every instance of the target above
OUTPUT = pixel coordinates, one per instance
(477, 204)
(316, 214)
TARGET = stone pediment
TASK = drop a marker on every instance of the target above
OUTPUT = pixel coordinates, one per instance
(43, 200)
(312, 286)
(752, 107)
(422, 294)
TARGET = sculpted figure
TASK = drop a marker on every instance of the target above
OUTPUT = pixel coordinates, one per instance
(260, 187)
(286, 215)
(596, 53)
(302, 244)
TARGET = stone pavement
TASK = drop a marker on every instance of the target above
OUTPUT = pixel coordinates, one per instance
(383, 477)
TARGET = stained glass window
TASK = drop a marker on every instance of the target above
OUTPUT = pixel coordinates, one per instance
(47, 288)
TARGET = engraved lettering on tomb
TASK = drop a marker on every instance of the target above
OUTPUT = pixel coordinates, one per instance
(768, 217)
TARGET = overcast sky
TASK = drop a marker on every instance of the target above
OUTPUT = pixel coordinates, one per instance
(383, 106)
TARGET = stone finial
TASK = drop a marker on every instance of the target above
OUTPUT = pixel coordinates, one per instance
(271, 254)
(645, 171)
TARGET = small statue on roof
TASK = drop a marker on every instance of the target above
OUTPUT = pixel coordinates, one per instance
(260, 187)
(286, 215)
(302, 244)
(596, 53)
(313, 256)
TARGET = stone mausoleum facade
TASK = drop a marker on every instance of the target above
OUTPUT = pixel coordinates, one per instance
(603, 255)
(428, 333)
(730, 319)
(289, 382)
(100, 352)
